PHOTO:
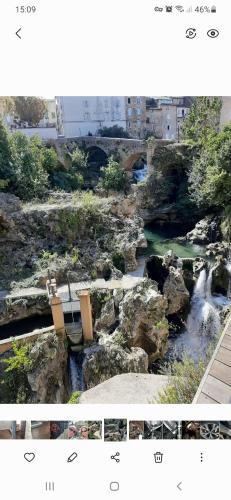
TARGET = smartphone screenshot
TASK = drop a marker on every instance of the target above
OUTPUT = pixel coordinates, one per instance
(115, 250)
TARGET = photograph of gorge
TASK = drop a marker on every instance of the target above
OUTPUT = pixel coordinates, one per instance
(115, 253)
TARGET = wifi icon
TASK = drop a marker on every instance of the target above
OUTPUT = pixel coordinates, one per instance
(179, 8)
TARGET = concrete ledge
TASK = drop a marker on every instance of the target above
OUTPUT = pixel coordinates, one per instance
(5, 345)
(129, 388)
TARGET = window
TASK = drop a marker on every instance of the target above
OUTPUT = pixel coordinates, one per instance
(168, 127)
(129, 100)
(129, 111)
(138, 100)
(138, 111)
(147, 120)
(85, 103)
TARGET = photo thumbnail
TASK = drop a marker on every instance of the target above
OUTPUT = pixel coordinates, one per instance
(51, 430)
(115, 430)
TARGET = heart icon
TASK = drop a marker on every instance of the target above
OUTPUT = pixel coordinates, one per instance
(29, 457)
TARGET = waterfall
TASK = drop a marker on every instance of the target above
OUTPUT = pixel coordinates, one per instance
(228, 267)
(75, 371)
(140, 174)
(203, 318)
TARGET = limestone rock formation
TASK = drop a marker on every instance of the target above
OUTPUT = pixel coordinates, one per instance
(20, 307)
(172, 273)
(67, 234)
(205, 231)
(218, 248)
(107, 316)
(129, 388)
(154, 197)
(220, 276)
(142, 319)
(109, 359)
(175, 291)
(48, 377)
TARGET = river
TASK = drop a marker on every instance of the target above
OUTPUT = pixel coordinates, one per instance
(163, 238)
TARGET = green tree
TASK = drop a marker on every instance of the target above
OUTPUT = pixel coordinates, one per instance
(49, 159)
(66, 180)
(30, 109)
(113, 176)
(79, 159)
(185, 377)
(115, 131)
(7, 106)
(226, 224)
(15, 386)
(210, 174)
(6, 169)
(202, 119)
(31, 179)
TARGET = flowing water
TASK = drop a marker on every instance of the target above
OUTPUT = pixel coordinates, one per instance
(75, 371)
(229, 286)
(140, 174)
(202, 325)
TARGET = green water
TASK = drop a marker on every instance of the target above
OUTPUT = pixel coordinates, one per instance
(161, 239)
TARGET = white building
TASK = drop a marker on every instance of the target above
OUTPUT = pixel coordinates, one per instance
(225, 116)
(79, 116)
(49, 119)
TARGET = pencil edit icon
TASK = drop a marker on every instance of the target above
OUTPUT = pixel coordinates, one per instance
(72, 457)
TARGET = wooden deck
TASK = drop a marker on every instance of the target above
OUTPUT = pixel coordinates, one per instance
(215, 386)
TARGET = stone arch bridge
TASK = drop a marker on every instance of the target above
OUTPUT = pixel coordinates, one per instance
(127, 150)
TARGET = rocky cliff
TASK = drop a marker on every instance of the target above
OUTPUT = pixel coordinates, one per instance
(163, 195)
(81, 234)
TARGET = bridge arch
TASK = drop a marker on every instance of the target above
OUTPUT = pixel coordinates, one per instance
(96, 156)
(133, 159)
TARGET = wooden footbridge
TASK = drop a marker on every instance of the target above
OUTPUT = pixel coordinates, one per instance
(215, 386)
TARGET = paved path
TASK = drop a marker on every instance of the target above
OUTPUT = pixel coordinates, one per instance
(215, 386)
(126, 283)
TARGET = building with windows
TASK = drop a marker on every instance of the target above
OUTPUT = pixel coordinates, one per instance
(49, 119)
(165, 115)
(225, 116)
(83, 115)
(136, 116)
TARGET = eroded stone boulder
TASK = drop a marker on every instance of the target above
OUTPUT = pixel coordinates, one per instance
(107, 316)
(175, 291)
(16, 307)
(220, 276)
(106, 360)
(48, 376)
(129, 388)
(142, 319)
(205, 231)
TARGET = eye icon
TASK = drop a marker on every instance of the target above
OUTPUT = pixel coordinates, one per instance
(213, 33)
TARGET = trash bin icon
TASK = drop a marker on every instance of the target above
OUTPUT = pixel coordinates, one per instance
(158, 457)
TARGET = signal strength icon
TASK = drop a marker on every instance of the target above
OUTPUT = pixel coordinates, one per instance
(180, 8)
(189, 9)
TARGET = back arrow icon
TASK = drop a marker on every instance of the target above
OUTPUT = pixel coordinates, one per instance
(179, 486)
(17, 33)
